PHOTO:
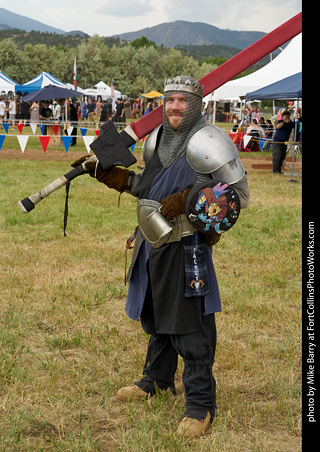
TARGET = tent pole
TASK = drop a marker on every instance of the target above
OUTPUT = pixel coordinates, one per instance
(66, 109)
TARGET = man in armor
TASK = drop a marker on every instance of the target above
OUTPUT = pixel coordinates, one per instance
(173, 288)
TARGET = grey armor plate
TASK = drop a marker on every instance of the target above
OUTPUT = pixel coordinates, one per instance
(212, 151)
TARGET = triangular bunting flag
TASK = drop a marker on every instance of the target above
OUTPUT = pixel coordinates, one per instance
(2, 138)
(246, 139)
(69, 130)
(33, 126)
(83, 131)
(97, 132)
(88, 141)
(20, 127)
(23, 141)
(66, 142)
(44, 141)
(132, 147)
(55, 128)
(5, 126)
(42, 128)
(261, 143)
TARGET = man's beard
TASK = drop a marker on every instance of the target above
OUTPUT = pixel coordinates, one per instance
(173, 143)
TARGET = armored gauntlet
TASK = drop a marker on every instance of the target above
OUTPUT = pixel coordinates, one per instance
(114, 177)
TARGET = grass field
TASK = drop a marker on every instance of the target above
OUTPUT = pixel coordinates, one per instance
(66, 345)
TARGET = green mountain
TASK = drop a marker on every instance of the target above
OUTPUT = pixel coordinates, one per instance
(13, 20)
(173, 34)
(170, 34)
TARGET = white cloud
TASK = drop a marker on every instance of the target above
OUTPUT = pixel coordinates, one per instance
(259, 15)
(125, 8)
(109, 17)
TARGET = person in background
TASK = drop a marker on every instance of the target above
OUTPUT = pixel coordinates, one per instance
(90, 110)
(34, 111)
(45, 114)
(98, 109)
(255, 131)
(12, 109)
(119, 113)
(283, 129)
(103, 112)
(300, 125)
(84, 112)
(2, 110)
(269, 133)
(262, 124)
(24, 111)
(56, 111)
(73, 116)
(78, 108)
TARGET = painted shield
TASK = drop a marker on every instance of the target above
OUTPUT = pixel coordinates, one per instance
(212, 207)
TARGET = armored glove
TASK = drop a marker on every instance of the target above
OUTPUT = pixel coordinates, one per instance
(114, 177)
(174, 204)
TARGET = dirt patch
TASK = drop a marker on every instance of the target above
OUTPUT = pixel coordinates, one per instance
(38, 154)
(260, 162)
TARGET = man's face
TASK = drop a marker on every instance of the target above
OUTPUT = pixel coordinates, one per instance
(175, 106)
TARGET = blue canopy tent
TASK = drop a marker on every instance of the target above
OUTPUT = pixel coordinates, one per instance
(287, 88)
(39, 82)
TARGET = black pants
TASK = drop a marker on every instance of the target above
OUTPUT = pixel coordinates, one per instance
(278, 156)
(197, 350)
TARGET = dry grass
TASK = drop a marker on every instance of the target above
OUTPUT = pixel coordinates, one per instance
(66, 345)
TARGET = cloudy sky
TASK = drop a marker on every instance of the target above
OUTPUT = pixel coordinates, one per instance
(108, 17)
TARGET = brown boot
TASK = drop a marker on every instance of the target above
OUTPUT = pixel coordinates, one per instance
(131, 393)
(192, 428)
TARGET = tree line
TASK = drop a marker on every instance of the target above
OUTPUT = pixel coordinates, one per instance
(133, 68)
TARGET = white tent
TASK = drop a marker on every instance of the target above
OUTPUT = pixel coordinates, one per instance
(105, 91)
(101, 86)
(287, 63)
(70, 86)
(6, 84)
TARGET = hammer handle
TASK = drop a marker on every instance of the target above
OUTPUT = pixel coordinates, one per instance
(29, 203)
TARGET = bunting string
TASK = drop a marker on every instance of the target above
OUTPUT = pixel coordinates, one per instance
(66, 136)
(45, 139)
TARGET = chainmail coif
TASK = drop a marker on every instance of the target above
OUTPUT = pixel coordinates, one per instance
(173, 144)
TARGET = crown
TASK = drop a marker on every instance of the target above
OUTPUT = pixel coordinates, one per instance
(183, 83)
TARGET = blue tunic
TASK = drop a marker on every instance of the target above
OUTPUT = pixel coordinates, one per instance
(166, 264)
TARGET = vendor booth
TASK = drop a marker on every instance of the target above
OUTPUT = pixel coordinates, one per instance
(148, 98)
